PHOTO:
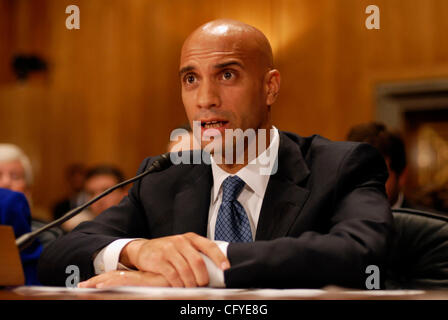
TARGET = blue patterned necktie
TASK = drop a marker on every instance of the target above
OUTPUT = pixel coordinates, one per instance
(232, 223)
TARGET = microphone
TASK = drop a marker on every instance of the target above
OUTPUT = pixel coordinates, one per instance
(162, 162)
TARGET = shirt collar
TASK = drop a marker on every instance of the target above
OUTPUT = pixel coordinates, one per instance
(252, 173)
(399, 202)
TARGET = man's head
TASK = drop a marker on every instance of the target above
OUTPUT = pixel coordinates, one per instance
(227, 76)
(15, 169)
(391, 146)
(99, 179)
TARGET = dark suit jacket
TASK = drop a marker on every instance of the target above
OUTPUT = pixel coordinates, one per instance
(325, 218)
(15, 212)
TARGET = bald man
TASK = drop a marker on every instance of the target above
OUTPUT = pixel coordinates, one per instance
(296, 212)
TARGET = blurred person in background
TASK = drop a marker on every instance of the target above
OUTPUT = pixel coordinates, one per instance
(16, 175)
(97, 180)
(15, 170)
(391, 146)
(75, 175)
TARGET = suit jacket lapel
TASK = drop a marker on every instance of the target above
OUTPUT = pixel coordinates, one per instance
(192, 202)
(284, 197)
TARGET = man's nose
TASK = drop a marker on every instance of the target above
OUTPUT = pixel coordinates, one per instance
(208, 95)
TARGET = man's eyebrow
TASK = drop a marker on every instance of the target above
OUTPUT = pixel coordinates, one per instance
(228, 63)
(186, 69)
(217, 66)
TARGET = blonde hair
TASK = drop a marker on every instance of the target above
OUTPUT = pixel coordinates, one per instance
(10, 152)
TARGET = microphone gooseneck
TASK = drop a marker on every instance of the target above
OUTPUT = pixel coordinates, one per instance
(162, 162)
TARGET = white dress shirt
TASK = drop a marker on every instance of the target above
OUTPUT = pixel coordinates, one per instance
(251, 198)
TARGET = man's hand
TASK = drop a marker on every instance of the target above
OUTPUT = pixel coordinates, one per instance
(125, 278)
(176, 258)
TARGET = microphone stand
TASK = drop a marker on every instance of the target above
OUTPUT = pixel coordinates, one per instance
(159, 164)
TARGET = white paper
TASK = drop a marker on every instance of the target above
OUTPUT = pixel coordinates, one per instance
(192, 293)
(160, 292)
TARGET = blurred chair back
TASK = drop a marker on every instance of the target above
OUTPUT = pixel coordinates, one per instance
(418, 258)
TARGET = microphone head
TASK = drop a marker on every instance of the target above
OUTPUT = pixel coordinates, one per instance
(162, 162)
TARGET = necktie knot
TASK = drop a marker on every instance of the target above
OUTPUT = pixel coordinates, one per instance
(231, 188)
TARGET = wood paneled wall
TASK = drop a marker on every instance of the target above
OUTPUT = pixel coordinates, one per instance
(112, 93)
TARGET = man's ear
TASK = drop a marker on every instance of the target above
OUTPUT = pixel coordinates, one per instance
(272, 86)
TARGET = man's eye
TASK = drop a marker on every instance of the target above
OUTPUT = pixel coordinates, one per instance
(189, 78)
(227, 75)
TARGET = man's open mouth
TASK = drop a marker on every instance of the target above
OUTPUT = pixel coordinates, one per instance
(214, 124)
